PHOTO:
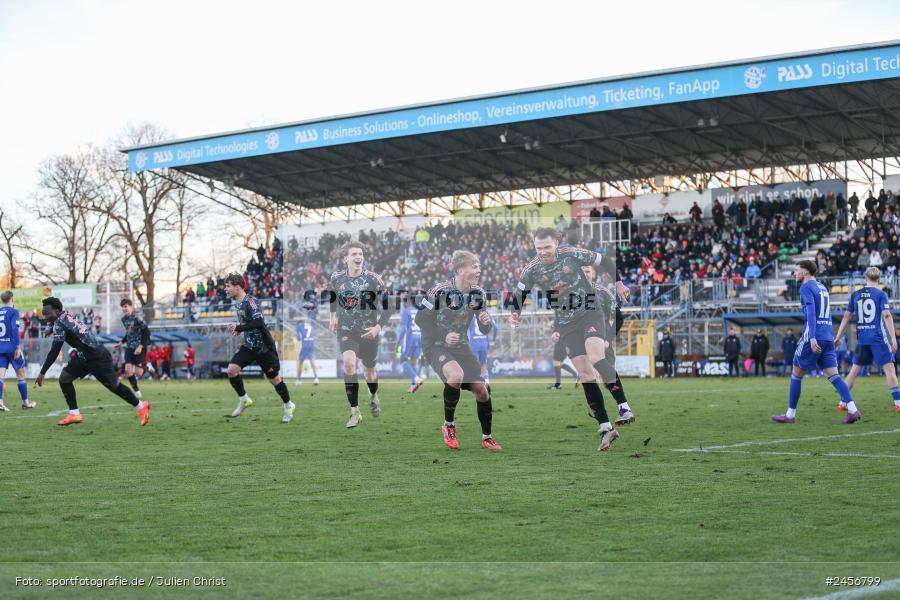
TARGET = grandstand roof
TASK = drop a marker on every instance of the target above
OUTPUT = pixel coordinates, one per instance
(814, 107)
(778, 319)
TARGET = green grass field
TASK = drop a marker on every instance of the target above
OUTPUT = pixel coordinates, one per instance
(312, 509)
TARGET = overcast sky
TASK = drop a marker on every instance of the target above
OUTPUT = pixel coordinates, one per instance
(76, 72)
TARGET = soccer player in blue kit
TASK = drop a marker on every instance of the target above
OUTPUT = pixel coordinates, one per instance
(306, 337)
(480, 343)
(409, 338)
(11, 351)
(816, 347)
(876, 340)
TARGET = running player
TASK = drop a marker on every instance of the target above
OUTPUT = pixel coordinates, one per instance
(11, 351)
(481, 346)
(444, 317)
(409, 339)
(557, 270)
(816, 347)
(258, 347)
(136, 341)
(87, 357)
(875, 337)
(561, 362)
(358, 315)
(306, 337)
(608, 297)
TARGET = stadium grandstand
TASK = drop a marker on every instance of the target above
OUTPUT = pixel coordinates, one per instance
(711, 183)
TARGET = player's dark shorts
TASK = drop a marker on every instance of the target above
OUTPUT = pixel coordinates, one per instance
(267, 360)
(100, 365)
(878, 353)
(138, 360)
(620, 320)
(559, 351)
(366, 350)
(438, 356)
(573, 336)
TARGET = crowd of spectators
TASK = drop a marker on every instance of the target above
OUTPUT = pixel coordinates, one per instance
(873, 242)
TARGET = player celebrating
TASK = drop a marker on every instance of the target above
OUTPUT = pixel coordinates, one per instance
(481, 346)
(816, 347)
(446, 312)
(88, 357)
(557, 270)
(875, 337)
(306, 337)
(136, 340)
(357, 316)
(258, 347)
(11, 351)
(409, 338)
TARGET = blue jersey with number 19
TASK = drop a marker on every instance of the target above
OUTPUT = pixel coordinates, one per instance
(817, 310)
(9, 329)
(868, 304)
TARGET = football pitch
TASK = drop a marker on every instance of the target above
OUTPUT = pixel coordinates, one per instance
(702, 497)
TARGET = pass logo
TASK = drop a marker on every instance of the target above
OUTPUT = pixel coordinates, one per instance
(796, 72)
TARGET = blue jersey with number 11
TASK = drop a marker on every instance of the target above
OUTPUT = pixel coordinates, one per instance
(9, 329)
(868, 304)
(817, 312)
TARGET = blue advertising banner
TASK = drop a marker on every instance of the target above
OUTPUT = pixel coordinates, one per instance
(716, 82)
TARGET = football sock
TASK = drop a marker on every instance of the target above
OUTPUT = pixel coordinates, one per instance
(618, 393)
(895, 395)
(451, 399)
(485, 413)
(794, 393)
(557, 371)
(125, 394)
(282, 390)
(606, 370)
(594, 398)
(238, 384)
(351, 387)
(568, 369)
(2, 387)
(410, 372)
(23, 389)
(133, 381)
(373, 387)
(68, 391)
(844, 391)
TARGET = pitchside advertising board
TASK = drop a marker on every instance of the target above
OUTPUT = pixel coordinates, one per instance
(76, 295)
(649, 90)
(780, 191)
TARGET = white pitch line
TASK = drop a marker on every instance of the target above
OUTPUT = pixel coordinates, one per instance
(785, 441)
(861, 592)
(829, 454)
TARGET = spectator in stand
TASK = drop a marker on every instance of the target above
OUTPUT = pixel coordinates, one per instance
(752, 271)
(853, 204)
(607, 213)
(595, 213)
(788, 348)
(718, 214)
(696, 213)
(863, 262)
(98, 321)
(740, 211)
(668, 219)
(759, 351)
(871, 203)
(875, 259)
(818, 204)
(732, 349)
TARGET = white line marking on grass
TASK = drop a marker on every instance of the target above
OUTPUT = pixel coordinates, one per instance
(829, 454)
(886, 586)
(784, 441)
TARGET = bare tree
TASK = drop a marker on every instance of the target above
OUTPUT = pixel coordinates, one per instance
(140, 206)
(11, 233)
(187, 209)
(75, 242)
